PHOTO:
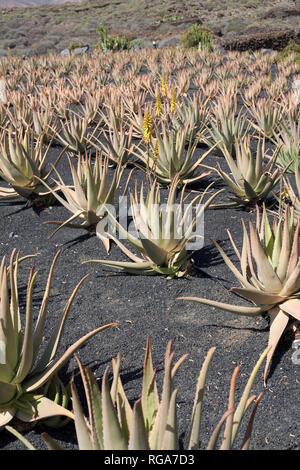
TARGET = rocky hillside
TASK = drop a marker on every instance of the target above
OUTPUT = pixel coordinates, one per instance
(30, 3)
(39, 29)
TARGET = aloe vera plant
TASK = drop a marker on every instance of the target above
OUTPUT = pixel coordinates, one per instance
(90, 193)
(117, 145)
(267, 115)
(275, 283)
(224, 129)
(172, 159)
(195, 114)
(163, 234)
(22, 374)
(75, 134)
(251, 181)
(152, 423)
(289, 140)
(23, 164)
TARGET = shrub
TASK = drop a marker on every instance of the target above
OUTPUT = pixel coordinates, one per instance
(292, 48)
(112, 43)
(197, 36)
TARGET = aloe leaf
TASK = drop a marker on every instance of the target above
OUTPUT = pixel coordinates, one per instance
(20, 437)
(241, 310)
(124, 419)
(36, 381)
(170, 437)
(112, 434)
(144, 267)
(291, 307)
(292, 284)
(278, 323)
(138, 439)
(242, 406)
(194, 433)
(257, 296)
(83, 431)
(8, 338)
(215, 435)
(247, 437)
(116, 372)
(294, 252)
(277, 248)
(51, 443)
(267, 274)
(32, 407)
(40, 323)
(125, 250)
(154, 252)
(285, 251)
(268, 235)
(7, 415)
(121, 401)
(27, 348)
(226, 444)
(249, 191)
(54, 340)
(234, 186)
(166, 396)
(67, 222)
(93, 398)
(150, 398)
(243, 280)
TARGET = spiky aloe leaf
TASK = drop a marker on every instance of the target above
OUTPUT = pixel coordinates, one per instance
(242, 406)
(241, 310)
(215, 435)
(195, 428)
(83, 431)
(27, 347)
(120, 400)
(32, 407)
(247, 437)
(38, 380)
(7, 415)
(150, 398)
(170, 438)
(93, 397)
(51, 443)
(20, 437)
(226, 444)
(138, 439)
(112, 433)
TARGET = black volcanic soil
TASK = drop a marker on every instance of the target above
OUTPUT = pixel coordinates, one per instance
(145, 306)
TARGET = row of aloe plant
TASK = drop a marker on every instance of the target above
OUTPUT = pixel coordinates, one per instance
(152, 423)
(162, 154)
(29, 385)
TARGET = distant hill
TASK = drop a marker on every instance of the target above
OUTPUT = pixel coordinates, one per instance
(31, 3)
(29, 27)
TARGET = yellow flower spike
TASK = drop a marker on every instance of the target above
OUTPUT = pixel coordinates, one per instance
(173, 100)
(158, 103)
(148, 126)
(164, 84)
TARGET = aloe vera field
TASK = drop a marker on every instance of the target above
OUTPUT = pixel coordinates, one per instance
(150, 203)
